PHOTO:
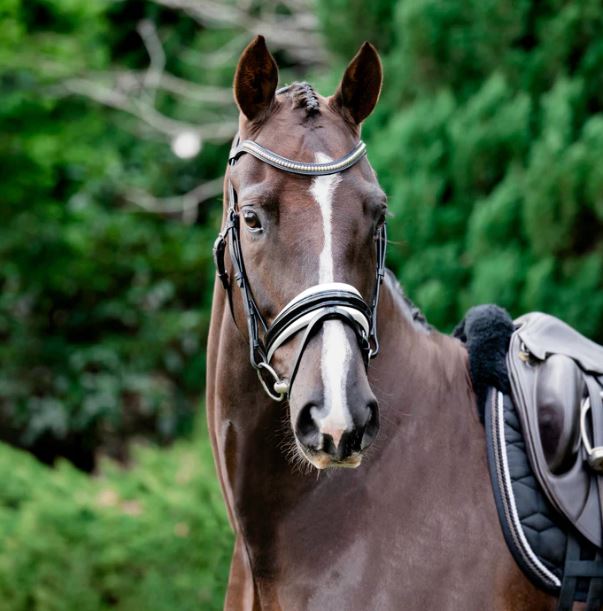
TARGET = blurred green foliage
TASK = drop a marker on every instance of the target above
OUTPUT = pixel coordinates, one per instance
(488, 140)
(154, 537)
(103, 308)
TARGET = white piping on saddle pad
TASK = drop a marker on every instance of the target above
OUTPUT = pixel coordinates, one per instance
(500, 433)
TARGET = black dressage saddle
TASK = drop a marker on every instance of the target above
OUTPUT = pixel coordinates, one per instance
(544, 429)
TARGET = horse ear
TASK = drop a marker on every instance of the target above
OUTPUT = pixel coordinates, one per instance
(360, 86)
(255, 79)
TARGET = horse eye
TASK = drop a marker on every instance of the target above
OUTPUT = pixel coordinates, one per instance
(380, 221)
(252, 220)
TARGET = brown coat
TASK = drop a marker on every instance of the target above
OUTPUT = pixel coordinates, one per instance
(414, 527)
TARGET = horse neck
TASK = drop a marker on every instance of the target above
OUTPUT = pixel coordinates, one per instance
(248, 432)
(421, 368)
(422, 382)
(418, 371)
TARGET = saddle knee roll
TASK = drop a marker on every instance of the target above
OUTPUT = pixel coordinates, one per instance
(559, 392)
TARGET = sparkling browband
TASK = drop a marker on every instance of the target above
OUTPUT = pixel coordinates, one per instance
(299, 167)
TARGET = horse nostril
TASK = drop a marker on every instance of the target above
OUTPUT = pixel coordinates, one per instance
(316, 434)
(306, 428)
(372, 425)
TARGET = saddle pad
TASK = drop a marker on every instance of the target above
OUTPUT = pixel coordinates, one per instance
(535, 533)
(529, 523)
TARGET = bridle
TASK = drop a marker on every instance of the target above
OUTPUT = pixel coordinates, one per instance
(312, 307)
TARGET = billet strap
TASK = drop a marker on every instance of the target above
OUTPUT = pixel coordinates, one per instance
(298, 167)
(594, 598)
(567, 595)
(576, 570)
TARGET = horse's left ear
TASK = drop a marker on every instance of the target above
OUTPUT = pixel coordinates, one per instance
(360, 86)
(255, 80)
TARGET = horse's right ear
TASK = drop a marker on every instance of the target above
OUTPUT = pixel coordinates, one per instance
(255, 80)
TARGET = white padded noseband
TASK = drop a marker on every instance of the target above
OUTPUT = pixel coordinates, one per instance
(302, 322)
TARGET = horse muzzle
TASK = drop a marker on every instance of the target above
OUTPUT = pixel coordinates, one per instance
(326, 443)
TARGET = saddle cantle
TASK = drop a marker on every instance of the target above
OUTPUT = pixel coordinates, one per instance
(554, 372)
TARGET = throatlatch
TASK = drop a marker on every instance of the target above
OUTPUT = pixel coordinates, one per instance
(311, 308)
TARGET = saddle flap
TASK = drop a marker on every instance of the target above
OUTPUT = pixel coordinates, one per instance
(559, 390)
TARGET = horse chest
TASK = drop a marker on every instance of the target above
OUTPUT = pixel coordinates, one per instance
(385, 547)
(396, 572)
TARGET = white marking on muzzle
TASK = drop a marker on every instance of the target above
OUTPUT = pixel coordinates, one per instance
(336, 351)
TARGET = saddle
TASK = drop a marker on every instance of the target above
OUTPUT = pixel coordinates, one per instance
(556, 378)
(544, 429)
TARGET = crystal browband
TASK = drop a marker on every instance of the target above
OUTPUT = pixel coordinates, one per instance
(299, 167)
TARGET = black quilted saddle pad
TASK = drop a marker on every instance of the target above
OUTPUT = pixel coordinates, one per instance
(534, 531)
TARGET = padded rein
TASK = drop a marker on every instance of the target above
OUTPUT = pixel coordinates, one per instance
(312, 307)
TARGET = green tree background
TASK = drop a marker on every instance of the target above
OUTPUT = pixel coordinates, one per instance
(487, 139)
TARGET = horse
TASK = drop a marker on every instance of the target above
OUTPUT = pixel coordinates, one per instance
(351, 482)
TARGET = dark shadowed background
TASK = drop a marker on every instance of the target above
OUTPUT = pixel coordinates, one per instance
(115, 122)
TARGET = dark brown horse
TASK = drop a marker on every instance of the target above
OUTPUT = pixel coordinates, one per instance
(414, 526)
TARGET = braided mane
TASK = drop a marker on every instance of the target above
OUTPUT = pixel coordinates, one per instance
(302, 95)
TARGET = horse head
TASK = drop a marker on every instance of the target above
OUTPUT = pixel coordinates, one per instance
(309, 238)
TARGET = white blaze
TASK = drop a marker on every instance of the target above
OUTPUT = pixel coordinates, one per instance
(336, 350)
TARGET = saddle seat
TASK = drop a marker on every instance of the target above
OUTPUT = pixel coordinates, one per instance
(556, 380)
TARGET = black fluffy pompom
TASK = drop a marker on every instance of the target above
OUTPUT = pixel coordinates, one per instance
(486, 331)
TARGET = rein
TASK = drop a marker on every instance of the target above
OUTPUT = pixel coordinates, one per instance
(311, 308)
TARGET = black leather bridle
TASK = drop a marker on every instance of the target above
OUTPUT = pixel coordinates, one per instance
(311, 308)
